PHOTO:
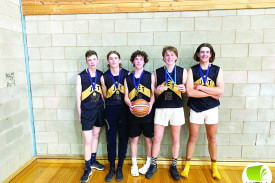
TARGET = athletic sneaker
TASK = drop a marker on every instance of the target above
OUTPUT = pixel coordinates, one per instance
(174, 172)
(152, 169)
(98, 166)
(86, 175)
(110, 175)
(119, 174)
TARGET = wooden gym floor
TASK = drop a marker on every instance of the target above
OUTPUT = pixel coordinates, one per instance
(41, 171)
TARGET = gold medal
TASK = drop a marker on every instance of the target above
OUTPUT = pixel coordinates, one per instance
(165, 88)
(94, 94)
(117, 92)
(175, 88)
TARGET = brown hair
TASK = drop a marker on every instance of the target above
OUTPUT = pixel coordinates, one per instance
(110, 53)
(170, 48)
(90, 53)
(139, 53)
(211, 59)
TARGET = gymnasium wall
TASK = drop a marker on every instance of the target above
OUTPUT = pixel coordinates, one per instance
(15, 126)
(244, 41)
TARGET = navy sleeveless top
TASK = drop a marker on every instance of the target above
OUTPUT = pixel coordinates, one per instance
(114, 97)
(205, 103)
(144, 92)
(172, 97)
(90, 99)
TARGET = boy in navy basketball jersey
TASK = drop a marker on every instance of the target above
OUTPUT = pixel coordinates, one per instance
(116, 112)
(204, 87)
(140, 85)
(90, 111)
(170, 85)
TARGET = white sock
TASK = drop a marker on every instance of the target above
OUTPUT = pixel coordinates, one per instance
(134, 161)
(148, 162)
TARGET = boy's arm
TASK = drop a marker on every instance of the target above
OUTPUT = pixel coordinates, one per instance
(191, 92)
(126, 95)
(218, 90)
(152, 97)
(182, 87)
(78, 96)
(159, 88)
(103, 87)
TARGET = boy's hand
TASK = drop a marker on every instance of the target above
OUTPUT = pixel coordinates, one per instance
(181, 88)
(160, 88)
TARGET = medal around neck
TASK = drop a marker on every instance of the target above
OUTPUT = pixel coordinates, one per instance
(204, 79)
(134, 80)
(116, 84)
(167, 76)
(93, 84)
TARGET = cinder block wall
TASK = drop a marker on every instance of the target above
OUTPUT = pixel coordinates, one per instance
(244, 41)
(15, 126)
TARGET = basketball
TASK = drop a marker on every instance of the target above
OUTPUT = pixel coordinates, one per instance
(140, 107)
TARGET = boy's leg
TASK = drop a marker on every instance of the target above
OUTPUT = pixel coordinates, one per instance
(134, 168)
(175, 135)
(87, 155)
(190, 148)
(111, 132)
(96, 130)
(122, 127)
(158, 134)
(211, 131)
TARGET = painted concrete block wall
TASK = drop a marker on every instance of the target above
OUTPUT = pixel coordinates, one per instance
(15, 126)
(245, 49)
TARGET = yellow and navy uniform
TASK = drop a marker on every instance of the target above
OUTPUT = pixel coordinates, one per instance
(112, 98)
(116, 113)
(205, 103)
(172, 97)
(90, 99)
(144, 92)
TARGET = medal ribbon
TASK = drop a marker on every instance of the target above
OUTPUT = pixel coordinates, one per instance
(134, 79)
(204, 78)
(116, 85)
(93, 85)
(175, 75)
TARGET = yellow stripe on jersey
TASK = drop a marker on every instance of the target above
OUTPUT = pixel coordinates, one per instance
(86, 93)
(113, 89)
(141, 89)
(170, 84)
(209, 82)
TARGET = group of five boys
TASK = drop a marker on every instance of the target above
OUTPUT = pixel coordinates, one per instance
(163, 90)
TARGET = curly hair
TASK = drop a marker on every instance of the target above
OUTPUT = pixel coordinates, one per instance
(139, 53)
(211, 59)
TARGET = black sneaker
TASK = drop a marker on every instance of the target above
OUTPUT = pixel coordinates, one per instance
(98, 166)
(174, 172)
(110, 175)
(152, 169)
(86, 175)
(119, 174)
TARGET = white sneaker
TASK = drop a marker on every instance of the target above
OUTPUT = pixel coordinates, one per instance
(134, 171)
(144, 169)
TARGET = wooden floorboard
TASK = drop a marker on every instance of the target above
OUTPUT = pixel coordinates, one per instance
(71, 173)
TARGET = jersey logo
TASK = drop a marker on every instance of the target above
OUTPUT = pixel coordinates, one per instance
(113, 89)
(171, 86)
(209, 82)
(86, 93)
(141, 89)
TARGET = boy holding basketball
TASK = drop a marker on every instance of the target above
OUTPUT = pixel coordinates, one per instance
(116, 112)
(204, 87)
(169, 87)
(90, 111)
(140, 85)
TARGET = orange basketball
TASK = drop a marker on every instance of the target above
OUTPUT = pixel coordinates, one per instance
(140, 107)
